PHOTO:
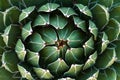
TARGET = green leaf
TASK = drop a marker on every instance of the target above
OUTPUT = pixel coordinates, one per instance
(84, 9)
(107, 74)
(74, 70)
(106, 2)
(67, 11)
(90, 74)
(4, 4)
(104, 42)
(5, 75)
(74, 55)
(67, 78)
(91, 61)
(58, 67)
(109, 57)
(11, 16)
(2, 45)
(33, 58)
(10, 35)
(43, 74)
(76, 39)
(49, 7)
(64, 33)
(93, 29)
(20, 50)
(10, 61)
(100, 15)
(88, 46)
(26, 30)
(116, 67)
(24, 73)
(114, 13)
(114, 27)
(49, 35)
(42, 20)
(2, 27)
(49, 54)
(36, 43)
(80, 23)
(57, 21)
(117, 49)
(26, 12)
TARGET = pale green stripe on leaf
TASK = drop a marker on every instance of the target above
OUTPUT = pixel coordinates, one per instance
(43, 74)
(58, 21)
(42, 19)
(33, 58)
(100, 15)
(67, 11)
(48, 7)
(26, 30)
(24, 73)
(26, 12)
(20, 50)
(74, 70)
(84, 9)
(80, 23)
(109, 57)
(58, 67)
(67, 78)
(107, 74)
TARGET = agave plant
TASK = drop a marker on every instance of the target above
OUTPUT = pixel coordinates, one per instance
(59, 39)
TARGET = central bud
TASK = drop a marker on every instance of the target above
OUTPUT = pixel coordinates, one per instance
(61, 43)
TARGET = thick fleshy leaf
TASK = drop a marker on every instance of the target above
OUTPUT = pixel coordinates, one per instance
(91, 61)
(74, 70)
(74, 55)
(104, 42)
(2, 45)
(107, 74)
(114, 13)
(109, 57)
(117, 48)
(114, 27)
(76, 38)
(49, 54)
(88, 46)
(84, 9)
(5, 75)
(10, 61)
(107, 3)
(67, 11)
(42, 19)
(57, 21)
(58, 67)
(116, 66)
(33, 58)
(20, 50)
(64, 33)
(100, 15)
(26, 12)
(10, 35)
(49, 35)
(24, 73)
(79, 23)
(11, 16)
(36, 43)
(43, 74)
(2, 27)
(90, 74)
(26, 30)
(93, 29)
(4, 4)
(49, 7)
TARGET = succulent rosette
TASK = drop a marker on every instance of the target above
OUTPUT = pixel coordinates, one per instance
(59, 40)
